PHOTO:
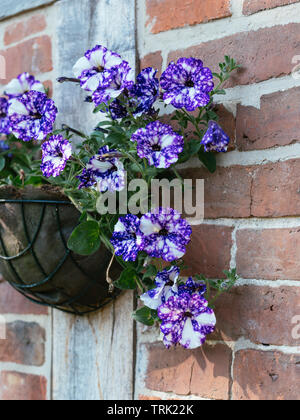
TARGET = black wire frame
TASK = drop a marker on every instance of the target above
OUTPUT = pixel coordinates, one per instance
(69, 305)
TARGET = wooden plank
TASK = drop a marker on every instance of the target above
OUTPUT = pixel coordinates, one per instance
(93, 356)
(10, 8)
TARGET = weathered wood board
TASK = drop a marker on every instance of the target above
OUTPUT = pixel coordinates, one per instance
(93, 356)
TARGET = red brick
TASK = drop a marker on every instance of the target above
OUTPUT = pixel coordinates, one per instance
(148, 398)
(268, 54)
(154, 60)
(13, 302)
(209, 252)
(260, 375)
(274, 124)
(169, 14)
(260, 314)
(33, 56)
(20, 30)
(253, 6)
(24, 344)
(204, 372)
(16, 386)
(271, 254)
(276, 189)
(227, 191)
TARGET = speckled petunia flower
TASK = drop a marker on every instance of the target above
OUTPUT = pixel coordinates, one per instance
(122, 77)
(103, 171)
(159, 144)
(23, 84)
(5, 125)
(215, 139)
(146, 91)
(32, 116)
(186, 320)
(192, 287)
(103, 70)
(56, 152)
(124, 238)
(187, 84)
(165, 234)
(166, 286)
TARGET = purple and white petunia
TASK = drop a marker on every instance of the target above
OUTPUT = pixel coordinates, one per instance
(5, 126)
(32, 116)
(104, 171)
(187, 84)
(23, 84)
(186, 320)
(159, 144)
(165, 234)
(56, 152)
(215, 139)
(146, 91)
(105, 71)
(166, 286)
(192, 287)
(124, 238)
(122, 78)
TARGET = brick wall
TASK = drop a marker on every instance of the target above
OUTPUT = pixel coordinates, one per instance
(252, 202)
(25, 355)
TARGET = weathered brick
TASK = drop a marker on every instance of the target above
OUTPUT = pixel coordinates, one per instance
(271, 254)
(274, 124)
(209, 252)
(34, 56)
(262, 315)
(13, 302)
(148, 398)
(152, 60)
(16, 386)
(24, 344)
(281, 42)
(204, 372)
(169, 14)
(254, 6)
(276, 189)
(260, 375)
(20, 30)
(227, 191)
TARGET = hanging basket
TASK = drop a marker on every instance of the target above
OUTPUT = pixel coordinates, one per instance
(35, 225)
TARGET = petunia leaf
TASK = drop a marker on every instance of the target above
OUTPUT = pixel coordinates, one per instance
(127, 280)
(144, 316)
(209, 160)
(2, 163)
(85, 239)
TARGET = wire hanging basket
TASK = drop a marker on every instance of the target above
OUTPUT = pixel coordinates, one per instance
(35, 258)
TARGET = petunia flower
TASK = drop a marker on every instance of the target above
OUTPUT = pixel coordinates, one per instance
(23, 84)
(186, 320)
(103, 171)
(215, 139)
(32, 116)
(159, 144)
(166, 286)
(187, 84)
(5, 126)
(124, 238)
(146, 91)
(99, 68)
(56, 152)
(122, 78)
(192, 287)
(165, 234)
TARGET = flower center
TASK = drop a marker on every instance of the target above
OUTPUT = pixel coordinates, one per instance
(170, 283)
(3, 115)
(114, 169)
(37, 116)
(100, 69)
(188, 315)
(156, 148)
(163, 232)
(189, 84)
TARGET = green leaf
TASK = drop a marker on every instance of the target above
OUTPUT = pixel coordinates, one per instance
(85, 239)
(144, 316)
(150, 272)
(209, 160)
(2, 163)
(127, 280)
